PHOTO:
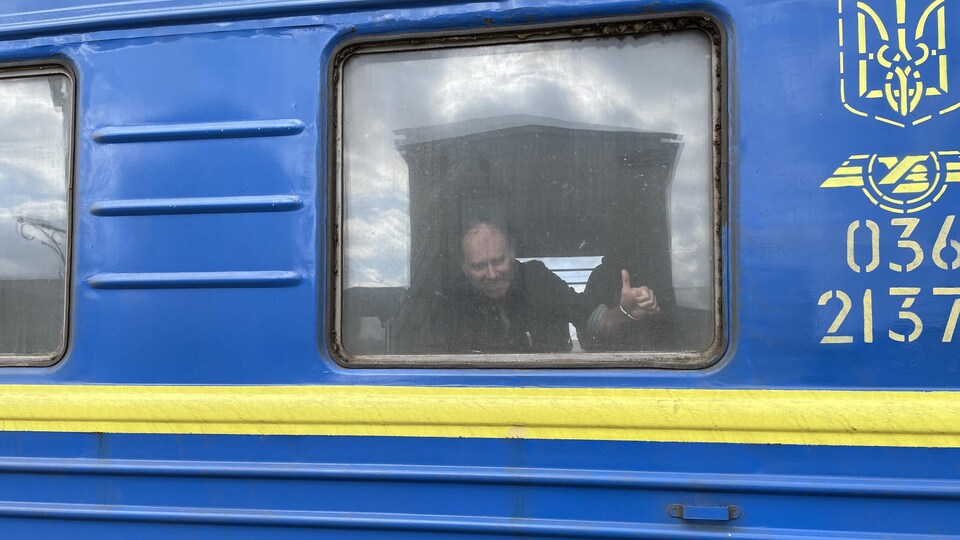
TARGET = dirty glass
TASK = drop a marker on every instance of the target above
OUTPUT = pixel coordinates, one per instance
(35, 130)
(492, 197)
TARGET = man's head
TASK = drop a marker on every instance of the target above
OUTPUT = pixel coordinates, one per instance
(487, 259)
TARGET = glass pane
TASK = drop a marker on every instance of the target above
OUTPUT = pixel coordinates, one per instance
(493, 195)
(35, 117)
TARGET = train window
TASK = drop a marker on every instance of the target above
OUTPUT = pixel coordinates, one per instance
(36, 116)
(549, 199)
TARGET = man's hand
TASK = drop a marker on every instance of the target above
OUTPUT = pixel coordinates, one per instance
(636, 302)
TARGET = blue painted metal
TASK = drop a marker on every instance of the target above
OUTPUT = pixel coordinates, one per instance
(186, 86)
(190, 280)
(198, 130)
(280, 77)
(197, 205)
(398, 487)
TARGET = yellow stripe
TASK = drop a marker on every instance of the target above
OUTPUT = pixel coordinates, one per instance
(922, 419)
(891, 122)
(848, 107)
(842, 181)
(950, 108)
(912, 187)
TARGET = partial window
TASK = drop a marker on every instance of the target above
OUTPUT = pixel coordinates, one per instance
(36, 115)
(546, 202)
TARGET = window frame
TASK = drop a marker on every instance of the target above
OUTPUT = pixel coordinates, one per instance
(50, 67)
(332, 295)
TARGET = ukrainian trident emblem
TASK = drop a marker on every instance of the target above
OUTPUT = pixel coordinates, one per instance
(894, 60)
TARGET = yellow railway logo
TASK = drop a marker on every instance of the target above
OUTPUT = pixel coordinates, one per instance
(894, 60)
(899, 184)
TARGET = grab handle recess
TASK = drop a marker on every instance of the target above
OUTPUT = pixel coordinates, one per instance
(704, 513)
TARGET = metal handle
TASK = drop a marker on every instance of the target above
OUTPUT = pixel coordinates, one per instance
(704, 513)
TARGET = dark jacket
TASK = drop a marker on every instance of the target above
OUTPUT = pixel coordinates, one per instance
(534, 316)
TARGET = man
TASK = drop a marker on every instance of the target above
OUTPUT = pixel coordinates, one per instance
(505, 306)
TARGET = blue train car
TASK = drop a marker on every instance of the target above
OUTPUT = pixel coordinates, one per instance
(425, 269)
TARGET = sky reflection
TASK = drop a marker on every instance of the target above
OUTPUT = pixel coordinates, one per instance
(658, 82)
(34, 112)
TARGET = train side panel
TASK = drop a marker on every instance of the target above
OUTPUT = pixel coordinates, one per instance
(199, 394)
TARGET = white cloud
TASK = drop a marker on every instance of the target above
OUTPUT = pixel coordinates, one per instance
(32, 135)
(32, 174)
(377, 249)
(631, 83)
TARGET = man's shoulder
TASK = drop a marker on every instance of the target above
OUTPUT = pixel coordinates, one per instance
(532, 266)
(535, 270)
(535, 276)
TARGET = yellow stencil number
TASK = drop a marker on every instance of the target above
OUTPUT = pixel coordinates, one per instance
(845, 304)
(906, 315)
(941, 245)
(874, 246)
(954, 310)
(908, 224)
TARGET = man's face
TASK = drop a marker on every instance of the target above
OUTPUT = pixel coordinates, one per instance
(488, 260)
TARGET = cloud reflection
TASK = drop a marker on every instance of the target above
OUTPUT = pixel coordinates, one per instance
(656, 82)
(33, 165)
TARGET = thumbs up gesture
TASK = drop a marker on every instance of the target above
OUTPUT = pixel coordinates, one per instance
(636, 302)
